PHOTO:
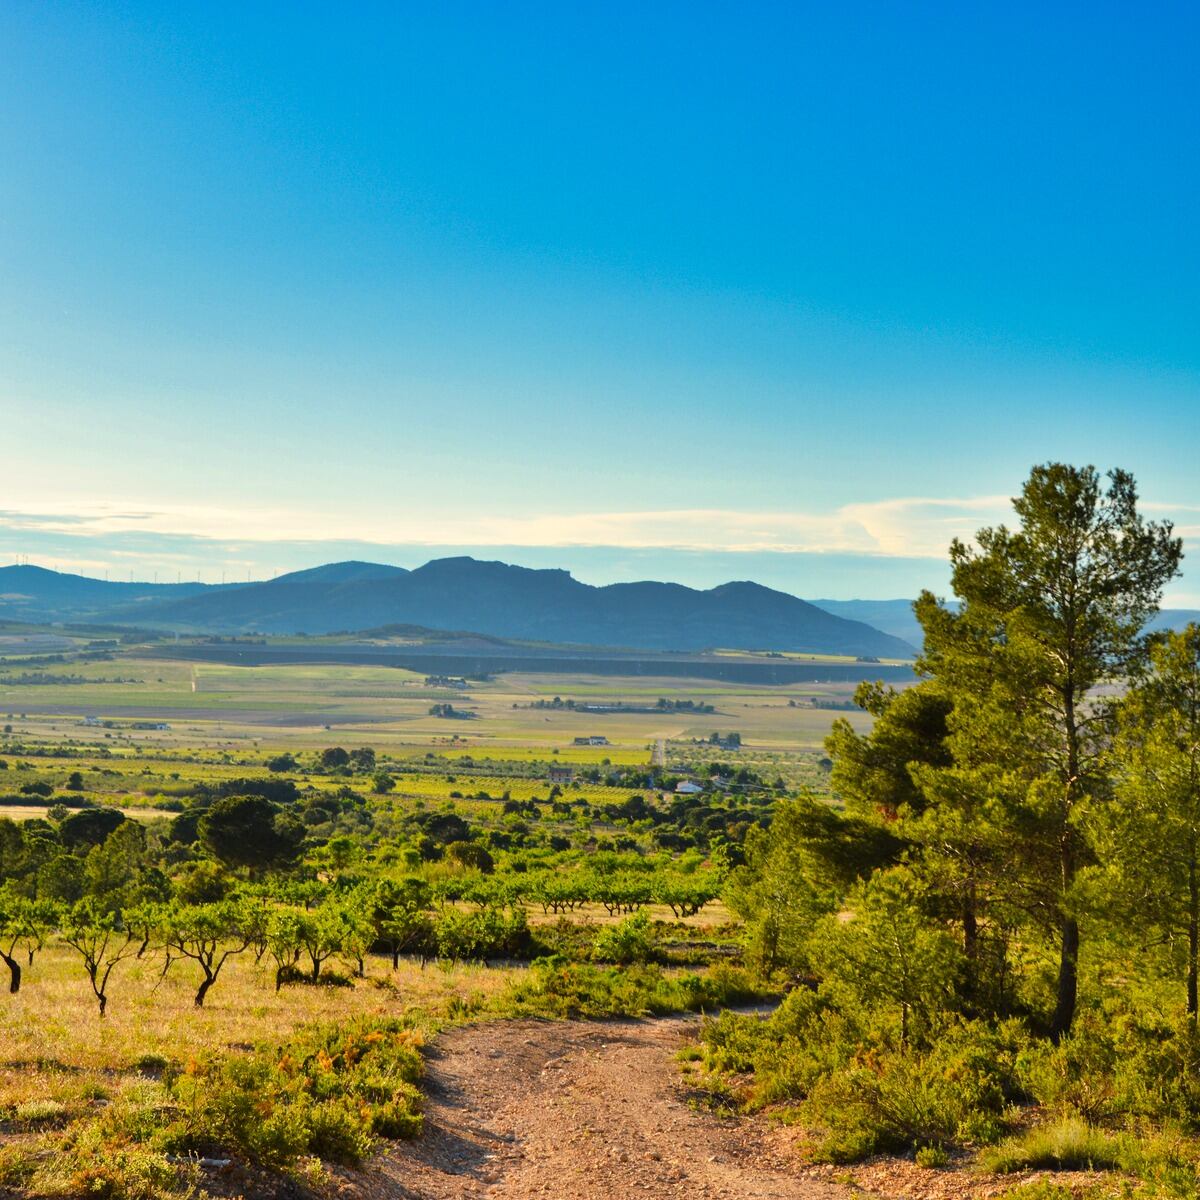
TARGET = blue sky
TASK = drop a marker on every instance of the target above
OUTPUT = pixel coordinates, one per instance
(694, 291)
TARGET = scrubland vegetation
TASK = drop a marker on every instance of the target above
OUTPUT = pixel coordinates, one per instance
(994, 943)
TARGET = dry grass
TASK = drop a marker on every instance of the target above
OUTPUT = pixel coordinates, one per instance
(55, 1048)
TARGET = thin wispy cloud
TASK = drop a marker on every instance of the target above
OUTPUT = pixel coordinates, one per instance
(904, 527)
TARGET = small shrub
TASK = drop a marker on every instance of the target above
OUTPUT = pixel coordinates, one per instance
(1066, 1145)
(461, 1008)
(932, 1157)
(555, 987)
(40, 1112)
(868, 1091)
(1039, 1189)
(327, 1091)
(627, 942)
(94, 1164)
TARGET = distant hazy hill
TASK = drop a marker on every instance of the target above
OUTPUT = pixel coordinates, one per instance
(488, 598)
(506, 601)
(896, 616)
(890, 616)
(343, 572)
(30, 593)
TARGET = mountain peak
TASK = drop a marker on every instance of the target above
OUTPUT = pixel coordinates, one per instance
(350, 571)
(464, 566)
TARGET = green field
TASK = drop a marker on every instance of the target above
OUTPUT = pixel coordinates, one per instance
(245, 711)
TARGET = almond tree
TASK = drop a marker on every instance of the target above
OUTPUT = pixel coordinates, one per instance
(284, 944)
(400, 912)
(11, 930)
(100, 940)
(322, 935)
(24, 926)
(209, 935)
(292, 933)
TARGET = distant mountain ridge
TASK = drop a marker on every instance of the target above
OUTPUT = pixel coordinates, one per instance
(490, 598)
(29, 593)
(895, 617)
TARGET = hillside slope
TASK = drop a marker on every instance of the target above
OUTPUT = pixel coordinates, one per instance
(29, 593)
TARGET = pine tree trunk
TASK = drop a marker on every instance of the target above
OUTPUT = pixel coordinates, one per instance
(970, 923)
(1068, 980)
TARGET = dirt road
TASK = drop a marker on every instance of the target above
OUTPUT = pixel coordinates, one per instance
(521, 1109)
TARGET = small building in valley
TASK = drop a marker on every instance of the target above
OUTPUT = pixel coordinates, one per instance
(561, 774)
(592, 740)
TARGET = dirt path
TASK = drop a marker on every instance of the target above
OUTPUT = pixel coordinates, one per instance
(577, 1111)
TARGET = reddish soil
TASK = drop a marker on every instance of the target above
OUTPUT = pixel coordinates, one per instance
(581, 1111)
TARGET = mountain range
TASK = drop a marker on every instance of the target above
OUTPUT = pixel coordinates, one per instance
(456, 593)
(490, 598)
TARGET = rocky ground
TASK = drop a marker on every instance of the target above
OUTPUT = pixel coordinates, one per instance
(600, 1111)
(586, 1111)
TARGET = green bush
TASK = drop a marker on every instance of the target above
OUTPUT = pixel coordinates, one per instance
(328, 1092)
(859, 1083)
(555, 987)
(628, 941)
(95, 1162)
(805, 1039)
(904, 1101)
(1117, 1066)
(932, 1157)
(1069, 1144)
(39, 1112)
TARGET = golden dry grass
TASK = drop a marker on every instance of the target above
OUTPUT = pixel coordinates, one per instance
(54, 1046)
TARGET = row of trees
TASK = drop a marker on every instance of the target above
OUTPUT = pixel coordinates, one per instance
(563, 891)
(397, 917)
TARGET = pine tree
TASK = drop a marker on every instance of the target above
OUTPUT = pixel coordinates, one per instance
(1047, 613)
